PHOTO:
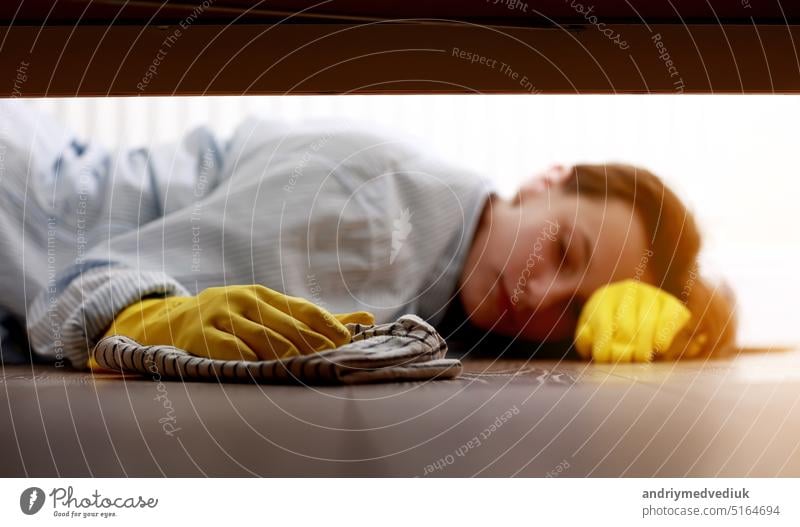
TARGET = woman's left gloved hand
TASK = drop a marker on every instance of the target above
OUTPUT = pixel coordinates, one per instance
(629, 321)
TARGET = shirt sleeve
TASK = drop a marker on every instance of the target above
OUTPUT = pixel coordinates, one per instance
(140, 238)
(87, 198)
(68, 319)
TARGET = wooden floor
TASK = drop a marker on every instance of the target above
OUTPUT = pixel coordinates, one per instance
(504, 418)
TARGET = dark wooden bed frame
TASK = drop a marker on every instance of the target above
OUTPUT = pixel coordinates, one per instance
(231, 47)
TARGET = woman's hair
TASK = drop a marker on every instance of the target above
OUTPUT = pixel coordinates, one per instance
(674, 242)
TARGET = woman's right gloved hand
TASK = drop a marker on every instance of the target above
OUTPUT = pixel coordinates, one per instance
(631, 321)
(242, 322)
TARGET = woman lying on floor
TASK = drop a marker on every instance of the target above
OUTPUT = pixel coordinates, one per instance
(196, 244)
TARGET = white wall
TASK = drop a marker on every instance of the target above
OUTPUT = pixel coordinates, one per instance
(732, 157)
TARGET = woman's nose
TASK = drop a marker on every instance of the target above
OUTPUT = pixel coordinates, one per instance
(544, 294)
(545, 281)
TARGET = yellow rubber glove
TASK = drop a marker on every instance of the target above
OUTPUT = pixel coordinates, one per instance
(243, 322)
(629, 321)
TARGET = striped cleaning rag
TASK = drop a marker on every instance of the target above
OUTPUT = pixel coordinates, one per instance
(408, 349)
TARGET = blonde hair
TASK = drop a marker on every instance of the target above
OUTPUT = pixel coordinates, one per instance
(675, 242)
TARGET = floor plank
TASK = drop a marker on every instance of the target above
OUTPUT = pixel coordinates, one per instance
(738, 417)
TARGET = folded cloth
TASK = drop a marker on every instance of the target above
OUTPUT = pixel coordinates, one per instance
(408, 349)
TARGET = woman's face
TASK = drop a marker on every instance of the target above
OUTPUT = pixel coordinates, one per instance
(535, 260)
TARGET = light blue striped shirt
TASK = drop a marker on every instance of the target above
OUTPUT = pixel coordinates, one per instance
(347, 218)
